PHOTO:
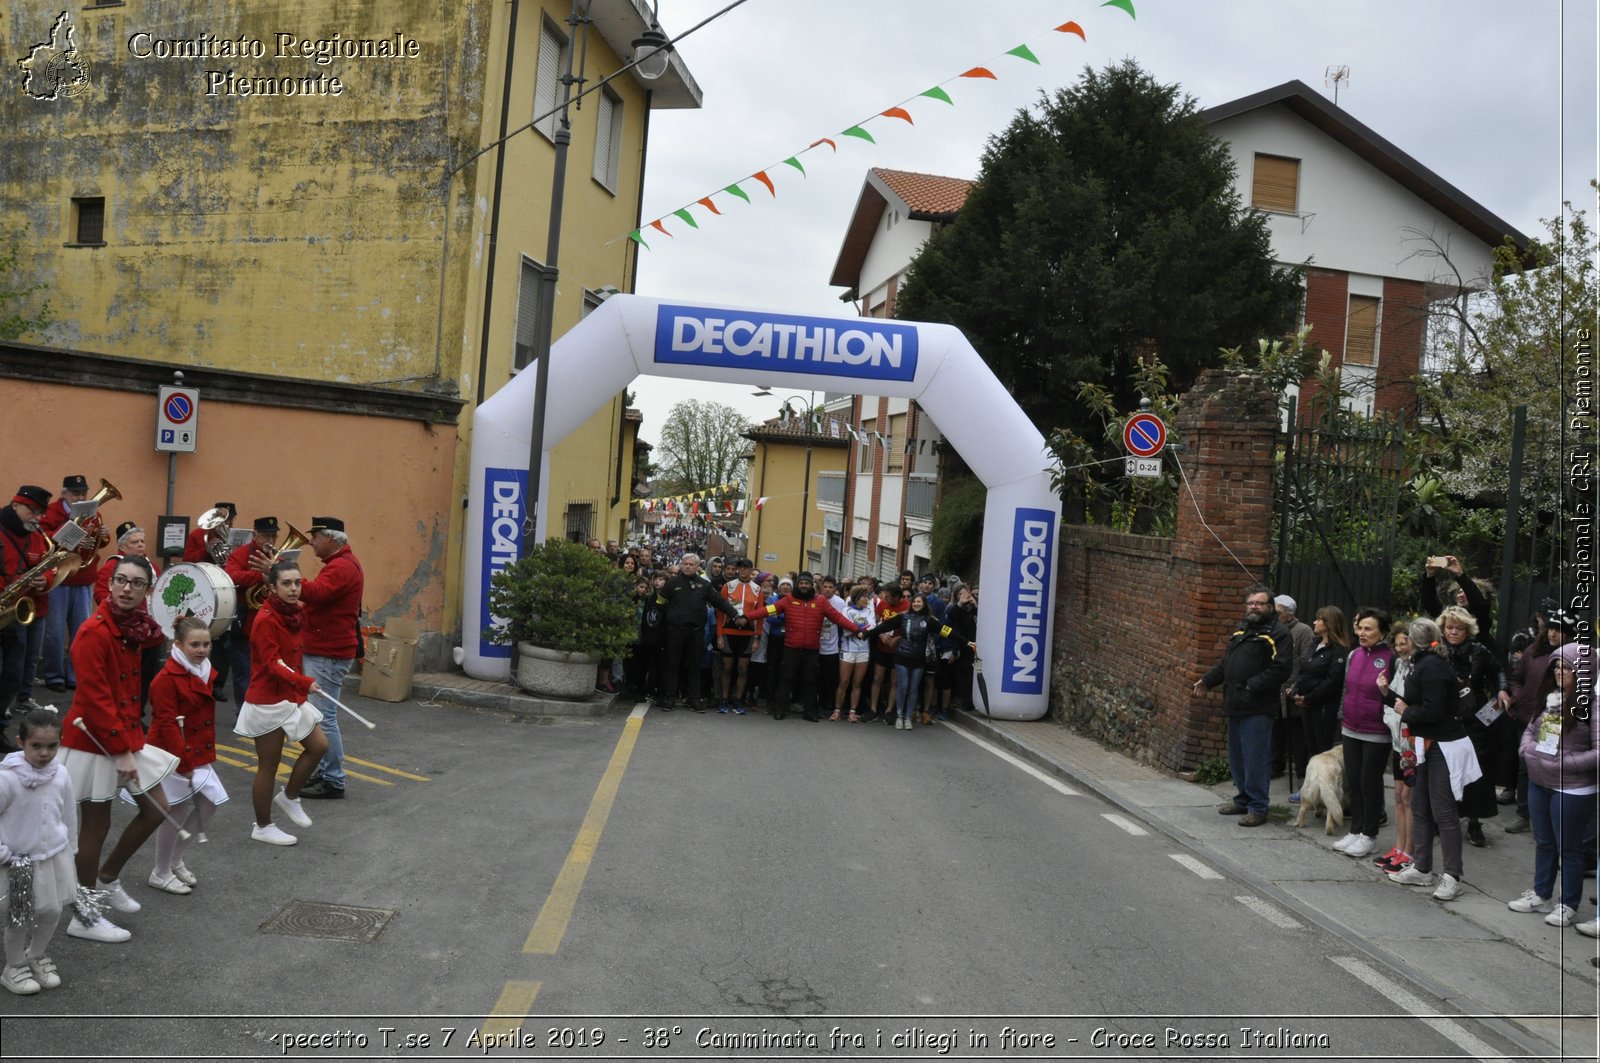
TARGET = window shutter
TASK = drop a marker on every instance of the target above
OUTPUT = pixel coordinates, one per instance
(1361, 331)
(527, 314)
(547, 78)
(608, 140)
(1276, 186)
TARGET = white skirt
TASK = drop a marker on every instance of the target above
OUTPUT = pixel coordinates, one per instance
(297, 720)
(55, 884)
(94, 775)
(205, 781)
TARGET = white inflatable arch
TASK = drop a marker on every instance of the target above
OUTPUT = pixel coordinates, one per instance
(630, 335)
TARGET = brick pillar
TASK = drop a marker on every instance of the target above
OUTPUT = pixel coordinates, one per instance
(1229, 425)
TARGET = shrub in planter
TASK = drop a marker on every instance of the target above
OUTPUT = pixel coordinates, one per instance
(564, 596)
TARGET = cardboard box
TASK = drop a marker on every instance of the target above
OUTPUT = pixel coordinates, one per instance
(391, 661)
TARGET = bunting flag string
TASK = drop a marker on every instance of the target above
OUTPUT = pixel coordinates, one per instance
(858, 131)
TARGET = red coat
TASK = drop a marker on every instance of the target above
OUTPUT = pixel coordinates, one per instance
(52, 521)
(803, 620)
(271, 642)
(108, 695)
(333, 607)
(102, 582)
(244, 577)
(19, 555)
(175, 692)
(196, 546)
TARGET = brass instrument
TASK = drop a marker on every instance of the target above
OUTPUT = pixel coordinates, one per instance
(216, 522)
(256, 596)
(16, 602)
(91, 525)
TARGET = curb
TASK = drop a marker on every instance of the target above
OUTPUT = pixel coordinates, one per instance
(516, 703)
(1520, 1036)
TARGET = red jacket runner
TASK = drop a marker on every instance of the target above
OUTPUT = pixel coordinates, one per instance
(803, 620)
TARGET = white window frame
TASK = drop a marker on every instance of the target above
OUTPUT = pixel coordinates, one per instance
(551, 61)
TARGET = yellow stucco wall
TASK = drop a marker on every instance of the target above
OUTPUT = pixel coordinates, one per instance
(778, 472)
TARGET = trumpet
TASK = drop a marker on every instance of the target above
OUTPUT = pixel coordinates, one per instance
(217, 523)
(16, 602)
(256, 596)
(92, 526)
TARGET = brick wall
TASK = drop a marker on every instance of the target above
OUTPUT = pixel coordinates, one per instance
(1139, 619)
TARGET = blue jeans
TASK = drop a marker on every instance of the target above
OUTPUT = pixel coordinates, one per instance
(1250, 760)
(33, 643)
(910, 685)
(69, 608)
(1559, 822)
(329, 673)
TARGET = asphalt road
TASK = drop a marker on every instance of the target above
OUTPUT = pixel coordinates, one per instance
(682, 882)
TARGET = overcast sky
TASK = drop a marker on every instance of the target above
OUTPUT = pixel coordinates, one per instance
(1482, 93)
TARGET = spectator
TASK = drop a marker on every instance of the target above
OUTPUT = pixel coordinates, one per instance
(686, 596)
(1403, 755)
(1519, 693)
(1469, 595)
(957, 653)
(803, 614)
(1319, 688)
(1478, 677)
(1288, 745)
(1366, 738)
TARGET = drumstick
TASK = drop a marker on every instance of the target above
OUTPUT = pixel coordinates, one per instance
(360, 718)
(80, 725)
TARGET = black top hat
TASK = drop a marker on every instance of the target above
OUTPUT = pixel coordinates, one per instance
(78, 484)
(37, 497)
(322, 524)
(267, 525)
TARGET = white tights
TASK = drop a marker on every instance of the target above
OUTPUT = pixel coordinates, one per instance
(170, 847)
(18, 949)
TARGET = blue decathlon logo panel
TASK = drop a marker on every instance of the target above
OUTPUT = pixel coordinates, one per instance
(505, 493)
(1033, 542)
(865, 348)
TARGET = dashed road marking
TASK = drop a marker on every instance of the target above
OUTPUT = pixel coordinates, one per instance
(1196, 866)
(1271, 913)
(1015, 762)
(1447, 1028)
(1124, 823)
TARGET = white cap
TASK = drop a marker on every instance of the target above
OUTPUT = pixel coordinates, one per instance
(786, 580)
(1283, 601)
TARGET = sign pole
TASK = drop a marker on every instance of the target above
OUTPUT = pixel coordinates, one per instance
(172, 455)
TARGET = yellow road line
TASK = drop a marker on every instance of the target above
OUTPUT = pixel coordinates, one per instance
(551, 926)
(282, 773)
(516, 1001)
(294, 752)
(378, 767)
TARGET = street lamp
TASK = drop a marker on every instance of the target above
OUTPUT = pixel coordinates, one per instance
(785, 412)
(650, 67)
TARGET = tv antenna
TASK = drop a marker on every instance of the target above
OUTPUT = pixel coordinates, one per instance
(1333, 75)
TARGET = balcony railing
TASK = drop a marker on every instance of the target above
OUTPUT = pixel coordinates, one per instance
(830, 488)
(920, 493)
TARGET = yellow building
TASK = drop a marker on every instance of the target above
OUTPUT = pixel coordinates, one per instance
(305, 192)
(790, 459)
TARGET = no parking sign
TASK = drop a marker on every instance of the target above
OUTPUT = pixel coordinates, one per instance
(178, 419)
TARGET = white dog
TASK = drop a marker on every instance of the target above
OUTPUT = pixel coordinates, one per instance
(1323, 789)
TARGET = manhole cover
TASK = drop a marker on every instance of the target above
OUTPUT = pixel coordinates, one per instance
(341, 922)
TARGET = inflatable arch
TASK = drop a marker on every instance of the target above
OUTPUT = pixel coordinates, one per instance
(630, 335)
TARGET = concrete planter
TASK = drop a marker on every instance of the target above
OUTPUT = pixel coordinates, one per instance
(555, 673)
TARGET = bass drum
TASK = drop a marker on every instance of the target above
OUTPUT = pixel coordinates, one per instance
(194, 588)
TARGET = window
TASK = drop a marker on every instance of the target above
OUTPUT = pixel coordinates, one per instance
(608, 140)
(1361, 331)
(89, 220)
(897, 443)
(1277, 184)
(530, 294)
(580, 521)
(880, 310)
(866, 450)
(547, 77)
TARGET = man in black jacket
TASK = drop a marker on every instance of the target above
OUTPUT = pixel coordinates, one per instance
(686, 596)
(1251, 672)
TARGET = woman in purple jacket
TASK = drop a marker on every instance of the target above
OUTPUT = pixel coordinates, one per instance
(1558, 747)
(1366, 736)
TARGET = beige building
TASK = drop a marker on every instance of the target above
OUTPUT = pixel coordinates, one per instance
(305, 206)
(791, 458)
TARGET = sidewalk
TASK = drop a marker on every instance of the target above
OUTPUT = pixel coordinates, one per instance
(461, 689)
(1474, 952)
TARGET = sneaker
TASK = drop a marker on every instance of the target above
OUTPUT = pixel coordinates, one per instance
(722, 708)
(1530, 901)
(1361, 847)
(319, 790)
(118, 897)
(1561, 915)
(1344, 843)
(27, 705)
(169, 883)
(272, 835)
(1518, 826)
(19, 980)
(1449, 888)
(739, 710)
(45, 973)
(1231, 808)
(1410, 876)
(1294, 798)
(291, 807)
(101, 929)
(185, 876)
(1252, 819)
(695, 706)
(899, 724)
(1589, 929)
(1391, 857)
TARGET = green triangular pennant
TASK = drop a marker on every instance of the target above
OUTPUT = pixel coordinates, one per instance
(937, 93)
(857, 131)
(735, 190)
(683, 212)
(1021, 52)
(792, 161)
(1126, 5)
(636, 238)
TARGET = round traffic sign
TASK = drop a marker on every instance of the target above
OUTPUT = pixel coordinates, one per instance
(1144, 435)
(178, 408)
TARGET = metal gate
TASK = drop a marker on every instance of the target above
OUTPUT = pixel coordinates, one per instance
(1337, 498)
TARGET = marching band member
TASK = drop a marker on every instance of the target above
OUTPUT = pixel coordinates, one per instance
(131, 542)
(109, 749)
(183, 718)
(72, 601)
(198, 545)
(21, 547)
(333, 638)
(245, 566)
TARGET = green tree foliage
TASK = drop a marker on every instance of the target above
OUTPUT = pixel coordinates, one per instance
(958, 526)
(702, 445)
(16, 297)
(1104, 227)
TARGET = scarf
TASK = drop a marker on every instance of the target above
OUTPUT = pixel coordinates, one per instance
(201, 672)
(30, 776)
(291, 615)
(136, 627)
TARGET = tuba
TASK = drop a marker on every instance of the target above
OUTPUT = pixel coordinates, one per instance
(256, 596)
(92, 525)
(215, 521)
